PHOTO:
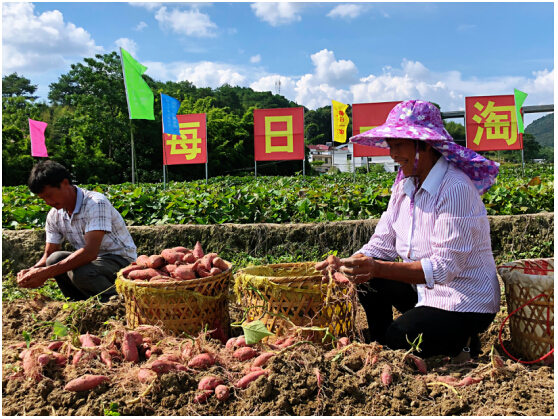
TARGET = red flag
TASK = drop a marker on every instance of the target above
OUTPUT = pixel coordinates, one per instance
(365, 117)
(279, 134)
(37, 134)
(190, 147)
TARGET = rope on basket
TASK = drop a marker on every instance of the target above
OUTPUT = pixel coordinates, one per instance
(547, 331)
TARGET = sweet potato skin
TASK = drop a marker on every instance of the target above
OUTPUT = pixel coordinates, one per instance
(220, 263)
(129, 349)
(244, 354)
(155, 261)
(146, 376)
(198, 251)
(202, 398)
(181, 249)
(222, 393)
(188, 258)
(248, 378)
(54, 346)
(261, 360)
(144, 274)
(209, 383)
(142, 260)
(126, 271)
(202, 361)
(386, 376)
(184, 273)
(172, 257)
(85, 382)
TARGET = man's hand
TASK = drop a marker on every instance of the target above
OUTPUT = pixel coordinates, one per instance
(331, 264)
(359, 268)
(32, 278)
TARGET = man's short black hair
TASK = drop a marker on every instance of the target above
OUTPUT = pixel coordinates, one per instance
(47, 173)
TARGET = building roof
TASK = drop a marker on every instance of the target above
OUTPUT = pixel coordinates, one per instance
(322, 147)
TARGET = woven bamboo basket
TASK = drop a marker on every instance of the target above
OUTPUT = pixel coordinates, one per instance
(178, 306)
(532, 327)
(294, 290)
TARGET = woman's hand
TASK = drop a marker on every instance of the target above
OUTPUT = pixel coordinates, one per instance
(359, 268)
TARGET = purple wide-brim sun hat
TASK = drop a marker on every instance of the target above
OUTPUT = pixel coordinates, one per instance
(421, 120)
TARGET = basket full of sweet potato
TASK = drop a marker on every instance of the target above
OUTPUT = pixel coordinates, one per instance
(181, 290)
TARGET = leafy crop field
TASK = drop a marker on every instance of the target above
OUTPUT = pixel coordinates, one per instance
(277, 199)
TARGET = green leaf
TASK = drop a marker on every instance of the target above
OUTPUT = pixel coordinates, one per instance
(59, 329)
(27, 337)
(255, 331)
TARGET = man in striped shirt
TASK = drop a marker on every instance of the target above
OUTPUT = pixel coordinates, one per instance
(89, 222)
(446, 285)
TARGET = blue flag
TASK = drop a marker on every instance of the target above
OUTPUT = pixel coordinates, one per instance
(170, 107)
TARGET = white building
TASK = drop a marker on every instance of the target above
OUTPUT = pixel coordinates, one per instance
(342, 158)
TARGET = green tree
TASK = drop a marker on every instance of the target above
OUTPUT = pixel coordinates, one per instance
(14, 85)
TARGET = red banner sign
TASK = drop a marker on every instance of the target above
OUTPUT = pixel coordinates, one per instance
(365, 117)
(190, 147)
(491, 123)
(279, 134)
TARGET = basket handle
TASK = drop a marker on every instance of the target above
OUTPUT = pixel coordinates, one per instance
(547, 331)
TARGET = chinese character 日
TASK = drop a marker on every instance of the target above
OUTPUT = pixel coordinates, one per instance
(186, 129)
(499, 121)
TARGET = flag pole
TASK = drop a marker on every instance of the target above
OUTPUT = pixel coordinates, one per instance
(133, 154)
(164, 151)
(206, 150)
(255, 169)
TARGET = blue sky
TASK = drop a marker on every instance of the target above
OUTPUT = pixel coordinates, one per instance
(351, 52)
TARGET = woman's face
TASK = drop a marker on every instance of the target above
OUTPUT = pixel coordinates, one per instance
(403, 151)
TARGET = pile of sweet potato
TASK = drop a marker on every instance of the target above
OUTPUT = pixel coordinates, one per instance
(176, 264)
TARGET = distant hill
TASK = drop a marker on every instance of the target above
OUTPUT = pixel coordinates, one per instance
(543, 130)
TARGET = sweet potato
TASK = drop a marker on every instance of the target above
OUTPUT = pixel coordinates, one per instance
(240, 342)
(138, 337)
(59, 359)
(202, 272)
(30, 366)
(244, 354)
(184, 273)
(220, 263)
(159, 279)
(155, 261)
(261, 360)
(386, 377)
(146, 376)
(126, 271)
(419, 363)
(85, 382)
(198, 251)
(162, 366)
(202, 361)
(342, 342)
(82, 356)
(248, 378)
(209, 382)
(181, 249)
(144, 274)
(287, 342)
(171, 256)
(54, 346)
(186, 353)
(222, 393)
(319, 378)
(106, 358)
(206, 261)
(219, 333)
(168, 269)
(230, 343)
(129, 349)
(96, 340)
(188, 258)
(202, 398)
(43, 359)
(215, 271)
(170, 357)
(23, 353)
(447, 379)
(114, 353)
(142, 260)
(87, 341)
(339, 278)
(467, 381)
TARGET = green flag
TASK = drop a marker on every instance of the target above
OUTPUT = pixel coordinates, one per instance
(519, 97)
(138, 93)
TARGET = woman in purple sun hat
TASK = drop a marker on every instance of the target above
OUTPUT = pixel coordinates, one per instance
(446, 287)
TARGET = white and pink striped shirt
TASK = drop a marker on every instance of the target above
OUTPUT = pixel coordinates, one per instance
(448, 231)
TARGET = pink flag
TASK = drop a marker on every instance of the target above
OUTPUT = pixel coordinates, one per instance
(37, 132)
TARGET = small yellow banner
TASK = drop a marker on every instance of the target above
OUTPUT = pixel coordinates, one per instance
(340, 121)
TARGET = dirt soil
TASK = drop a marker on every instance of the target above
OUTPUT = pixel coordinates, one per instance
(350, 381)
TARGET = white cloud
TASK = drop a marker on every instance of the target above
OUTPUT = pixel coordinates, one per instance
(255, 59)
(37, 43)
(330, 71)
(148, 5)
(465, 27)
(187, 22)
(140, 26)
(129, 45)
(208, 74)
(277, 14)
(347, 11)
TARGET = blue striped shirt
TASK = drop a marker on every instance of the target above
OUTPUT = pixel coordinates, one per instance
(448, 232)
